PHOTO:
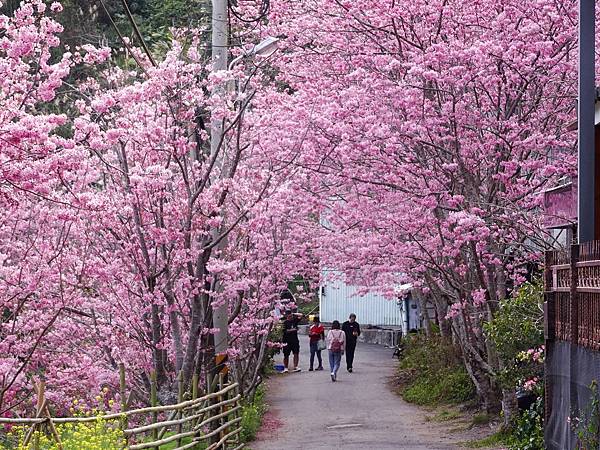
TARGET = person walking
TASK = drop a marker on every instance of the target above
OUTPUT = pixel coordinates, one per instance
(316, 336)
(290, 339)
(336, 339)
(351, 329)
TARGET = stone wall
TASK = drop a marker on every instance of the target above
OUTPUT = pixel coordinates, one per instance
(386, 337)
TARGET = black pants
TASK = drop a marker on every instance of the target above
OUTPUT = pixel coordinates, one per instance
(350, 347)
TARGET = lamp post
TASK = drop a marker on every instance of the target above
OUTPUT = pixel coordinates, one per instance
(586, 204)
(265, 48)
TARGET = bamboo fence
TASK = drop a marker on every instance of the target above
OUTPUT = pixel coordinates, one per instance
(211, 421)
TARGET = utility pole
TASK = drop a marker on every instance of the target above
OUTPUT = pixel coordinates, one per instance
(586, 204)
(220, 42)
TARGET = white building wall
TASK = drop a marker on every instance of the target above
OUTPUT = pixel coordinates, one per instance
(337, 300)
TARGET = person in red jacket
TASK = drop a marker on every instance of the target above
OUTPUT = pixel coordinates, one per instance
(315, 334)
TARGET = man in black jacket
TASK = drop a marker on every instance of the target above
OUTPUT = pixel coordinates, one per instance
(352, 330)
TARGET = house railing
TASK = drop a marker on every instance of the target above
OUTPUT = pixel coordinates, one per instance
(571, 308)
(572, 295)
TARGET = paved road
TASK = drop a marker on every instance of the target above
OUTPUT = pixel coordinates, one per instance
(357, 412)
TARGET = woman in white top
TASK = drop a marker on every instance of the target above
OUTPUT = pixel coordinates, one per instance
(336, 342)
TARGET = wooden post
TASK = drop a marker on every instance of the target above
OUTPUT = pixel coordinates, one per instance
(222, 408)
(209, 384)
(122, 387)
(53, 428)
(212, 387)
(235, 392)
(195, 386)
(154, 402)
(41, 393)
(41, 410)
(574, 300)
(31, 431)
(179, 400)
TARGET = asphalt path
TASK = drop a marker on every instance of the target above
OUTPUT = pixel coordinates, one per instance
(359, 411)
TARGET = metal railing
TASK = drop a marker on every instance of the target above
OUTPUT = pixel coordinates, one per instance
(572, 295)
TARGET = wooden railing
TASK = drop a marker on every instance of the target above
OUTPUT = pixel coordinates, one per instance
(211, 421)
(572, 295)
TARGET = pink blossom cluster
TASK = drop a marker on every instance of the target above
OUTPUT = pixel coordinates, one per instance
(533, 354)
(531, 384)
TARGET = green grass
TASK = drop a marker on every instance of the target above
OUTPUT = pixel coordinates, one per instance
(432, 373)
(499, 438)
(451, 386)
(481, 419)
(172, 445)
(445, 416)
(252, 414)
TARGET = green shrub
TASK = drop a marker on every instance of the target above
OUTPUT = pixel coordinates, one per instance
(252, 414)
(518, 326)
(457, 387)
(450, 386)
(528, 432)
(517, 333)
(426, 380)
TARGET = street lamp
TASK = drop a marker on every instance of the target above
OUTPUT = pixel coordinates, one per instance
(264, 48)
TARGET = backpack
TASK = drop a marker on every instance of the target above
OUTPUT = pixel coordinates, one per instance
(336, 345)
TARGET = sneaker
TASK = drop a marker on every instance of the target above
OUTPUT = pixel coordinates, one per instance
(350, 369)
(297, 369)
(310, 369)
(285, 370)
(320, 368)
(332, 376)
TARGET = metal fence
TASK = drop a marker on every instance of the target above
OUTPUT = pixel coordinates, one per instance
(572, 331)
(572, 285)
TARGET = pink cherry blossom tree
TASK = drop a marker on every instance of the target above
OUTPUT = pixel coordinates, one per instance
(429, 131)
(126, 229)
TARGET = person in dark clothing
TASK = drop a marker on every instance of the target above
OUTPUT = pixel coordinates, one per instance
(290, 339)
(352, 330)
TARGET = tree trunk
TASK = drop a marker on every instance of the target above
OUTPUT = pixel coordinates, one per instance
(424, 314)
(475, 364)
(441, 309)
(158, 355)
(510, 408)
(191, 349)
